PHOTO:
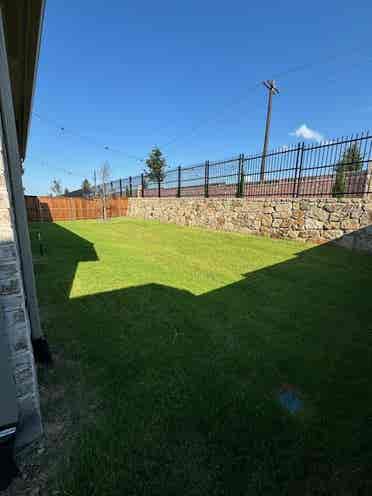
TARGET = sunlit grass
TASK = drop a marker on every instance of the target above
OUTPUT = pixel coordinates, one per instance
(186, 336)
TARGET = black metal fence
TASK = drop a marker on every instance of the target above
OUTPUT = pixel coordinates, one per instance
(332, 168)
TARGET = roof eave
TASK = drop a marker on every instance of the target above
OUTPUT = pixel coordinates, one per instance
(23, 27)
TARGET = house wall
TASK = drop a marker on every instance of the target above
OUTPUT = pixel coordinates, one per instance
(14, 318)
(347, 220)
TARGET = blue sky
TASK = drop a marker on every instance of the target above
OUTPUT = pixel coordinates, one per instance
(131, 75)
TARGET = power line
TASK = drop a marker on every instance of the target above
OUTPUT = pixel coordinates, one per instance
(88, 139)
(281, 75)
(53, 168)
(198, 126)
(333, 79)
(43, 163)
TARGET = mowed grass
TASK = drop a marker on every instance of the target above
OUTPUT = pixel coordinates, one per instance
(185, 337)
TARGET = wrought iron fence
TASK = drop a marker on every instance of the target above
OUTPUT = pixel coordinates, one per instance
(333, 168)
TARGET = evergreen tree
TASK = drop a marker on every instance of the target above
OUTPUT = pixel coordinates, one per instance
(351, 161)
(86, 188)
(156, 165)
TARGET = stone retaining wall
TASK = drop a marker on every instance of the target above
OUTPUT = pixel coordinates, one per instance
(347, 220)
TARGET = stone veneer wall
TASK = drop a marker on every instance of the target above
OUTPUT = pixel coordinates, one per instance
(14, 322)
(347, 220)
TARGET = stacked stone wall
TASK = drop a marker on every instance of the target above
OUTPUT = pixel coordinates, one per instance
(347, 221)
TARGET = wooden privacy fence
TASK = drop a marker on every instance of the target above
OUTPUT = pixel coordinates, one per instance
(46, 209)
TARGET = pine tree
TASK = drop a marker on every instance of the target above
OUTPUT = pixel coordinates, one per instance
(339, 186)
(351, 161)
(156, 165)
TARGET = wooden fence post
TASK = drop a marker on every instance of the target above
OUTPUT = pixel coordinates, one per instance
(73, 209)
(40, 210)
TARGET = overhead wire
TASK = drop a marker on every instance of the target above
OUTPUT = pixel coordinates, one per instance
(63, 129)
(66, 130)
(253, 88)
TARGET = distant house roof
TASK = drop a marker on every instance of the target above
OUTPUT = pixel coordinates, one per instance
(22, 25)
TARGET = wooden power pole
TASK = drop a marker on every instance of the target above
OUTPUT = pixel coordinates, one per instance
(273, 90)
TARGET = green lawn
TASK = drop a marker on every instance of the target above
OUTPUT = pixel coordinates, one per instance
(185, 337)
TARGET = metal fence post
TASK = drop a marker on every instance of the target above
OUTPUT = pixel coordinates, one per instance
(142, 186)
(206, 179)
(238, 179)
(296, 169)
(179, 182)
(240, 182)
(130, 186)
(242, 176)
(299, 167)
(121, 188)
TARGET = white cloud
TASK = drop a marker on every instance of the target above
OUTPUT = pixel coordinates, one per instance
(307, 133)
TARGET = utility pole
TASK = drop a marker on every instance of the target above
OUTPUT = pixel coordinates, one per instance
(273, 90)
(95, 184)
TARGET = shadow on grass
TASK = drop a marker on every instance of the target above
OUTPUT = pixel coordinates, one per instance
(188, 384)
